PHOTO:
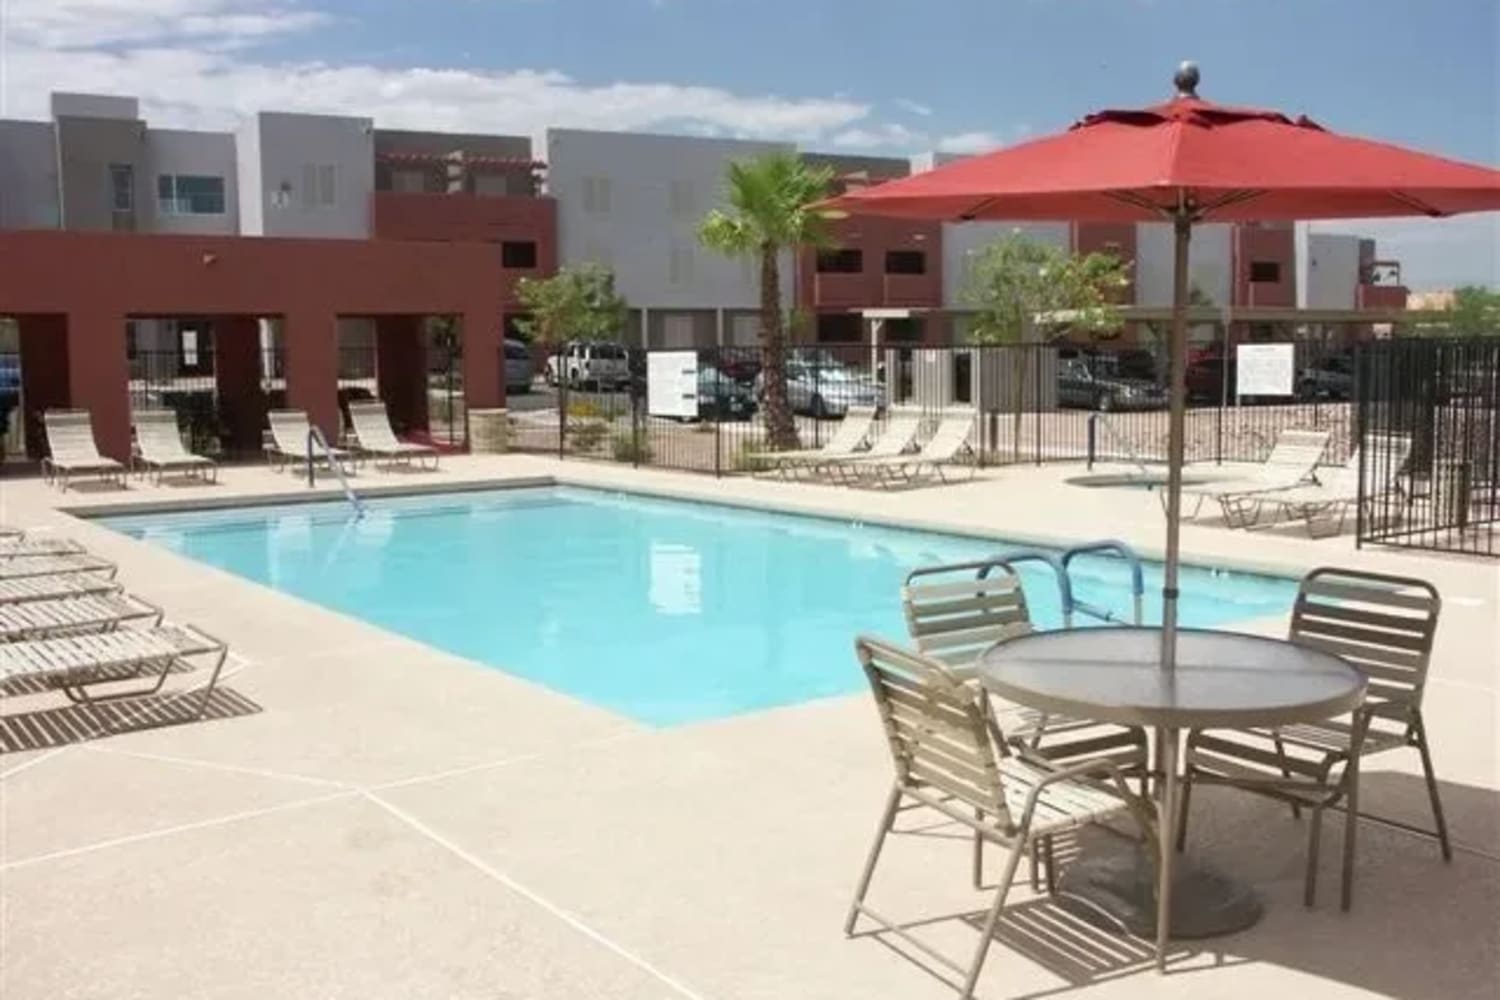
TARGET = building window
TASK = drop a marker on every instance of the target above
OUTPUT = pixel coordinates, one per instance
(839, 328)
(491, 184)
(903, 331)
(409, 180)
(840, 261)
(1265, 272)
(677, 331)
(187, 194)
(680, 265)
(318, 185)
(596, 195)
(187, 347)
(905, 262)
(122, 187)
(680, 199)
(518, 254)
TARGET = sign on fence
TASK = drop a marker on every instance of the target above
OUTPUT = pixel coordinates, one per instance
(1265, 369)
(672, 384)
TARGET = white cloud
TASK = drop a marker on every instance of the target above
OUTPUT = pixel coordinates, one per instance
(878, 136)
(191, 64)
(969, 142)
(915, 107)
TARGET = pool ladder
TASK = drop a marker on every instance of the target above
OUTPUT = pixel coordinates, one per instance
(1060, 566)
(316, 440)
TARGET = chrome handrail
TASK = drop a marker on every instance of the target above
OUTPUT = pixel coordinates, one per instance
(315, 437)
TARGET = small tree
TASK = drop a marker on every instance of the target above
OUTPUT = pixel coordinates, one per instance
(1016, 281)
(577, 303)
(769, 210)
(1475, 311)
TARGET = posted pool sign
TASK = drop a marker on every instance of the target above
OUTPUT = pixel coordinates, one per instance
(1264, 369)
(672, 384)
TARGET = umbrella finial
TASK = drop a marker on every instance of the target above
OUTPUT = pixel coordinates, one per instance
(1186, 79)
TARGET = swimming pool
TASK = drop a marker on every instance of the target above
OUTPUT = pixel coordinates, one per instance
(665, 611)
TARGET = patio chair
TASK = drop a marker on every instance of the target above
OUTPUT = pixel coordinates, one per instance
(288, 445)
(1384, 627)
(897, 437)
(71, 450)
(948, 442)
(78, 664)
(1324, 506)
(1292, 462)
(372, 428)
(159, 448)
(54, 565)
(955, 612)
(945, 760)
(50, 587)
(853, 431)
(16, 547)
(73, 616)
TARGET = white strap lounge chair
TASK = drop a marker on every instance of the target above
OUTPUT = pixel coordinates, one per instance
(54, 565)
(288, 444)
(945, 761)
(51, 588)
(1292, 461)
(372, 427)
(947, 444)
(17, 547)
(79, 664)
(159, 448)
(852, 433)
(1384, 627)
(1324, 506)
(898, 436)
(73, 616)
(72, 451)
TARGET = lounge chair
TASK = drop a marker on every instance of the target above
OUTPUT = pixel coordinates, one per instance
(18, 590)
(78, 663)
(1384, 627)
(946, 761)
(73, 616)
(288, 444)
(853, 431)
(1324, 506)
(372, 427)
(1292, 462)
(54, 565)
(12, 547)
(159, 448)
(898, 436)
(71, 450)
(948, 442)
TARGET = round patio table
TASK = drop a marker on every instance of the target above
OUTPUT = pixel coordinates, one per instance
(1221, 679)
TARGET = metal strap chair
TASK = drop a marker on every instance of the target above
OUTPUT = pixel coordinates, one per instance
(945, 759)
(1383, 626)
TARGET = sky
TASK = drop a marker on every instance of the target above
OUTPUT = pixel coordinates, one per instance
(870, 76)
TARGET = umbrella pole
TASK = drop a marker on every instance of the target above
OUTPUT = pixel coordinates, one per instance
(1177, 416)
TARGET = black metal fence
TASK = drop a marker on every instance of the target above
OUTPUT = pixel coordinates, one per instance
(185, 384)
(1429, 432)
(1039, 403)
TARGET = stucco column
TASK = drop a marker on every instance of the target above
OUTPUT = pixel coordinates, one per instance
(484, 387)
(99, 375)
(310, 343)
(401, 370)
(242, 404)
(44, 372)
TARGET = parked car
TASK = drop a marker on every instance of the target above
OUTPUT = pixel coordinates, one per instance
(1080, 385)
(1328, 378)
(825, 389)
(581, 363)
(1206, 378)
(721, 397)
(519, 367)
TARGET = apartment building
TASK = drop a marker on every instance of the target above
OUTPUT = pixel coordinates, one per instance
(633, 202)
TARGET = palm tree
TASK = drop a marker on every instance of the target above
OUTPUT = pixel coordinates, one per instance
(770, 209)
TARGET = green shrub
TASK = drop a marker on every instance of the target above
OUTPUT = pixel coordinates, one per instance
(627, 448)
(584, 409)
(587, 435)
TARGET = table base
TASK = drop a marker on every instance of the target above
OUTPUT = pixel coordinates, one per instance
(1118, 890)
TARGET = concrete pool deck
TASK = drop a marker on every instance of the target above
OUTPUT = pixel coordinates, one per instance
(366, 816)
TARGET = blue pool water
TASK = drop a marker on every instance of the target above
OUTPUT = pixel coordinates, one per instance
(665, 611)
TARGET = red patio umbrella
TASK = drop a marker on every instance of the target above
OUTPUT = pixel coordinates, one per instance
(1185, 161)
